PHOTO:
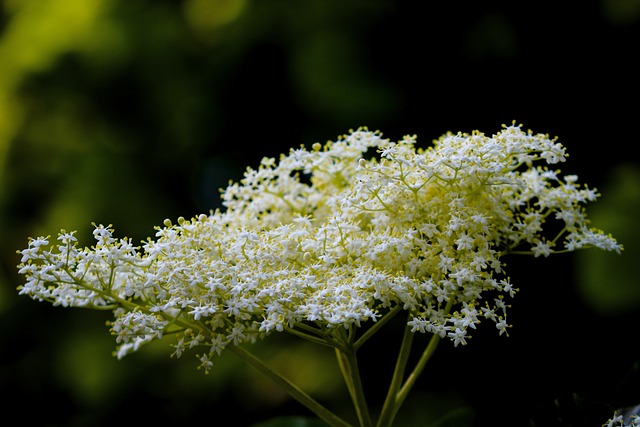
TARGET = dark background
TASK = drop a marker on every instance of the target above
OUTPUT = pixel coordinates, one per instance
(130, 112)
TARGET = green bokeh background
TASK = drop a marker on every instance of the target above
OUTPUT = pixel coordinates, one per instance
(127, 112)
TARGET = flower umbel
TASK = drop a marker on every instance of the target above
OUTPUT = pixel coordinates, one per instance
(333, 257)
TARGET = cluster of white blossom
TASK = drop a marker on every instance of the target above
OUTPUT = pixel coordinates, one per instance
(622, 421)
(334, 237)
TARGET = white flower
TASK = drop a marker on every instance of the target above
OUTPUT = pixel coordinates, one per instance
(541, 248)
(458, 336)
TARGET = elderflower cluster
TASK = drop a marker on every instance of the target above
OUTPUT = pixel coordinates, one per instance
(334, 237)
(622, 421)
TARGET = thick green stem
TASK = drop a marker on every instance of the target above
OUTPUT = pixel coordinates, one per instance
(293, 390)
(349, 367)
(391, 406)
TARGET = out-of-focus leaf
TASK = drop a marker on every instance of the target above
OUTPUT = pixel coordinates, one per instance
(609, 282)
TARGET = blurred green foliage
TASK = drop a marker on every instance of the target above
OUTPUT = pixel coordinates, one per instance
(610, 284)
(129, 112)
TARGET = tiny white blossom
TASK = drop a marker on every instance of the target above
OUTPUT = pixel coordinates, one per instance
(458, 336)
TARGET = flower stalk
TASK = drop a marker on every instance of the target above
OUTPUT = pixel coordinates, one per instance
(392, 404)
(292, 389)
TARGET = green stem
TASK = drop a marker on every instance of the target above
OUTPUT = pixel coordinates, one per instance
(349, 367)
(293, 390)
(376, 326)
(308, 337)
(391, 405)
(396, 396)
(342, 363)
(426, 355)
